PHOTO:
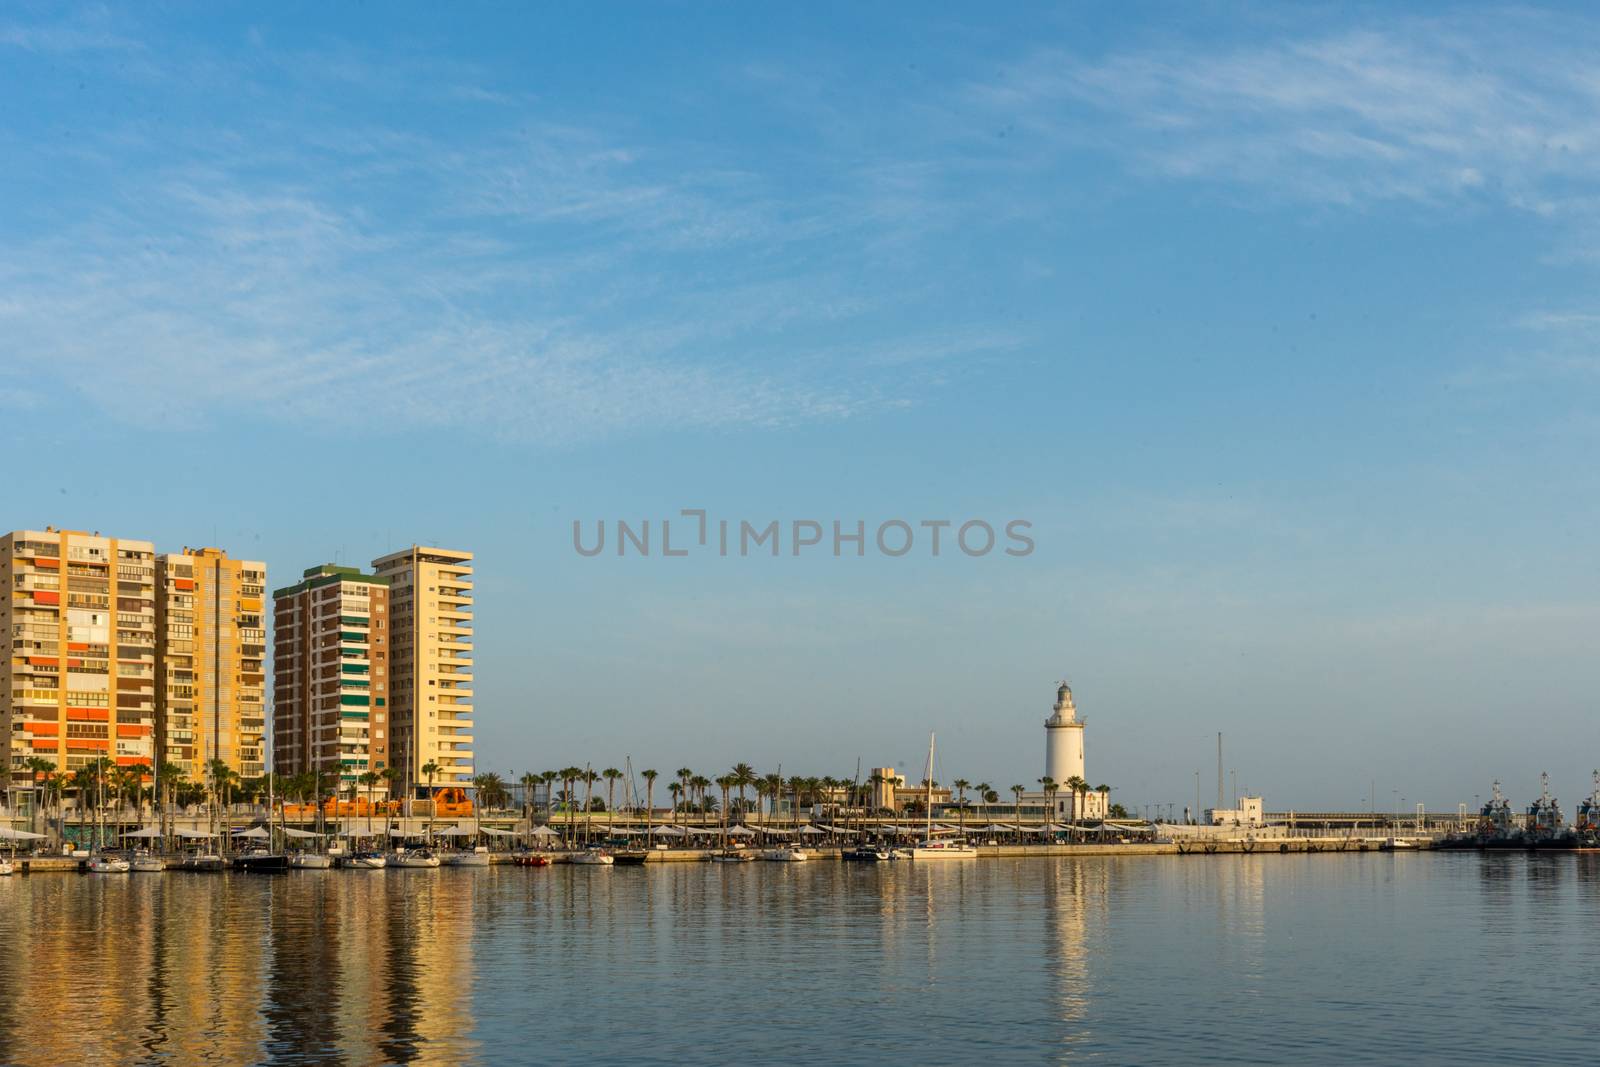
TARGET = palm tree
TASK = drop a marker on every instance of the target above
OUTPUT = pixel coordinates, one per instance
(530, 787)
(725, 783)
(649, 776)
(700, 783)
(676, 790)
(611, 774)
(430, 771)
(549, 778)
(1049, 785)
(40, 771)
(1016, 812)
(962, 785)
(1105, 800)
(743, 775)
(368, 779)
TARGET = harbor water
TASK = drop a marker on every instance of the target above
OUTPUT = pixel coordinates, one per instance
(1370, 958)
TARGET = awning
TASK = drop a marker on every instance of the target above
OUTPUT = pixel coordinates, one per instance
(667, 831)
(492, 832)
(741, 831)
(255, 833)
(147, 833)
(543, 831)
(456, 831)
(303, 834)
(814, 831)
(8, 834)
(194, 835)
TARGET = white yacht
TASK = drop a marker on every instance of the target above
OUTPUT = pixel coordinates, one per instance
(109, 865)
(312, 861)
(148, 863)
(413, 857)
(366, 861)
(784, 855)
(938, 848)
(6, 866)
(594, 857)
(473, 857)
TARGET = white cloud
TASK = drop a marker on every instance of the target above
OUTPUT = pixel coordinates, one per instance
(1421, 110)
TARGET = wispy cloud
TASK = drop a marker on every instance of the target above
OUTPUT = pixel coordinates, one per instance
(1420, 110)
(535, 277)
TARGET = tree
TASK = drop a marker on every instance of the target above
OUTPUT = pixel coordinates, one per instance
(1049, 785)
(1016, 812)
(530, 785)
(550, 778)
(611, 774)
(1117, 811)
(700, 783)
(649, 775)
(743, 775)
(368, 779)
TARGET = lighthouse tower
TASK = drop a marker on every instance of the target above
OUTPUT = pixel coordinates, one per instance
(1063, 749)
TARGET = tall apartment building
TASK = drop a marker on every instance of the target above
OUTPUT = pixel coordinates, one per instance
(430, 669)
(330, 681)
(79, 673)
(211, 648)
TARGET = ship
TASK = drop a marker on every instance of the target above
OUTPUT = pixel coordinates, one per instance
(1586, 829)
(1547, 829)
(1497, 826)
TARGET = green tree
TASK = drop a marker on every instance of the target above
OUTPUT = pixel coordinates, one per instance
(611, 774)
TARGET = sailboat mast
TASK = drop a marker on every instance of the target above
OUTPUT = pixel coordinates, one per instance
(927, 804)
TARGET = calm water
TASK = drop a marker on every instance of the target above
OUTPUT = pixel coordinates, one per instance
(1277, 959)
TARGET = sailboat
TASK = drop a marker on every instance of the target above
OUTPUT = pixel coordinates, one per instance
(938, 848)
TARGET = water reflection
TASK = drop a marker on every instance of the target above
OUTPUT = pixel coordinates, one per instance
(998, 961)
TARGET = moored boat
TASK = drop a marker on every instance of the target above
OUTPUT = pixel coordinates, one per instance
(630, 857)
(364, 861)
(414, 858)
(1587, 826)
(531, 859)
(6, 867)
(261, 861)
(466, 857)
(145, 863)
(593, 857)
(784, 855)
(310, 861)
(108, 865)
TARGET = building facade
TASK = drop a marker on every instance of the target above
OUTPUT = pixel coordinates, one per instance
(211, 649)
(430, 671)
(330, 686)
(79, 684)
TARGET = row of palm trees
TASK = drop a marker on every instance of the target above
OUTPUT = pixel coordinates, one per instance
(691, 792)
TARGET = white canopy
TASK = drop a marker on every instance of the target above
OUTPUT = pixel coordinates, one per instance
(622, 831)
(492, 832)
(356, 831)
(146, 833)
(292, 832)
(255, 833)
(8, 834)
(543, 831)
(741, 831)
(456, 831)
(704, 830)
(667, 831)
(813, 830)
(995, 828)
(194, 835)
(775, 830)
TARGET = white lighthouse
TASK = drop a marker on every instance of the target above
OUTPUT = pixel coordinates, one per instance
(1063, 759)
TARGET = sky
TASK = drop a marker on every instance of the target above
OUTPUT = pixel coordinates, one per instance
(1277, 326)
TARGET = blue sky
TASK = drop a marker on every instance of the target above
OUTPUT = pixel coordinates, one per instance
(1278, 325)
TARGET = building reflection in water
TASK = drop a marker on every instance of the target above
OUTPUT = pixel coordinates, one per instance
(1075, 896)
(307, 967)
